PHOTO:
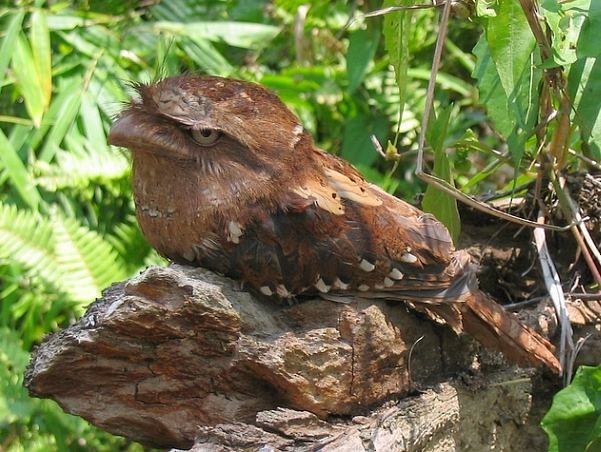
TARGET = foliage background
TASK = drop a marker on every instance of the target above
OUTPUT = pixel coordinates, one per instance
(67, 226)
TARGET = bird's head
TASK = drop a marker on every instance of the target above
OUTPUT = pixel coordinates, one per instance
(209, 119)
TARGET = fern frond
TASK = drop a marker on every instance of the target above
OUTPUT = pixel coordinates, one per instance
(128, 241)
(79, 170)
(57, 249)
(26, 238)
(87, 262)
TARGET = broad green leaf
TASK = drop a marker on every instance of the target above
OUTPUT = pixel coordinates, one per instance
(573, 423)
(361, 51)
(515, 114)
(92, 122)
(492, 94)
(68, 93)
(576, 26)
(238, 34)
(584, 87)
(65, 22)
(357, 146)
(62, 122)
(40, 48)
(511, 43)
(17, 172)
(26, 76)
(396, 40)
(438, 203)
(9, 41)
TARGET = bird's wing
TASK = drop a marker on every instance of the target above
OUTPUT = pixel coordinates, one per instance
(338, 234)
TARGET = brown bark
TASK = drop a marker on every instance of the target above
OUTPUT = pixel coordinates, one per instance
(178, 354)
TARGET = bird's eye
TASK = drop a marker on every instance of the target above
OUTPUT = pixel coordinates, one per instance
(205, 137)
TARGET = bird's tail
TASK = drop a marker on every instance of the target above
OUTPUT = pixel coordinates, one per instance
(465, 308)
(500, 330)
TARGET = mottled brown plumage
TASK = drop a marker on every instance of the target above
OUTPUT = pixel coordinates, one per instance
(225, 177)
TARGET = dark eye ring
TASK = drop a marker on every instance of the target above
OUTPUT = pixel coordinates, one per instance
(205, 137)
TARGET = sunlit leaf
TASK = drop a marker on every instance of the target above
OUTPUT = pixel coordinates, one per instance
(573, 423)
(442, 205)
(92, 122)
(26, 76)
(584, 84)
(510, 41)
(238, 34)
(65, 116)
(396, 39)
(9, 41)
(21, 179)
(40, 47)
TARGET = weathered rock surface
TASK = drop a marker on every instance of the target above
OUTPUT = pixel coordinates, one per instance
(178, 357)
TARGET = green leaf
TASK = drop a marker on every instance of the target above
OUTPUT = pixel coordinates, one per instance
(438, 203)
(206, 56)
(361, 51)
(62, 120)
(245, 35)
(573, 423)
(27, 79)
(576, 26)
(356, 141)
(17, 172)
(515, 114)
(66, 93)
(511, 43)
(492, 94)
(396, 40)
(92, 122)
(445, 81)
(8, 43)
(584, 86)
(40, 47)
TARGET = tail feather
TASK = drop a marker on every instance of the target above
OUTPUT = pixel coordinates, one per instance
(500, 330)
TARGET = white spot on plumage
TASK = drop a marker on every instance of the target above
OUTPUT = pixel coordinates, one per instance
(409, 258)
(282, 291)
(266, 290)
(395, 273)
(235, 231)
(189, 255)
(363, 288)
(322, 286)
(378, 286)
(366, 266)
(338, 284)
(388, 282)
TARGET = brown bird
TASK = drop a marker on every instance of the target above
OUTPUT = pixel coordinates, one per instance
(225, 177)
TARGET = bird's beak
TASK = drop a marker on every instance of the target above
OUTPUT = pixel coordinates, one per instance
(126, 131)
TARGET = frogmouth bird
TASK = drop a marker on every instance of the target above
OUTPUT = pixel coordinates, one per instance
(225, 177)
